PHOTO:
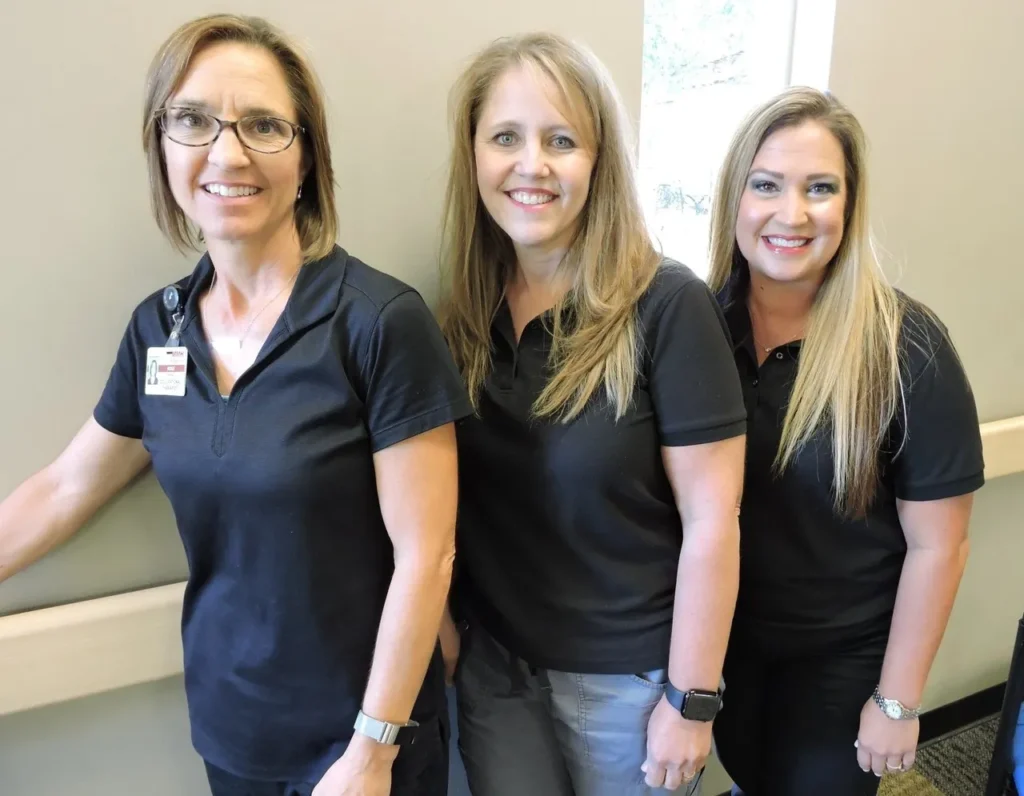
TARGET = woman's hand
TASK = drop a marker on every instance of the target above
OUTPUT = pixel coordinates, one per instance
(885, 744)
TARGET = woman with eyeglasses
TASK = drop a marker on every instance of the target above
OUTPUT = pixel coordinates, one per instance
(297, 407)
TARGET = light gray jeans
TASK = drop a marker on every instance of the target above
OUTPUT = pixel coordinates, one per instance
(540, 732)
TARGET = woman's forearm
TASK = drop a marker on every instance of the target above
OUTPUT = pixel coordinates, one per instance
(928, 586)
(706, 587)
(408, 634)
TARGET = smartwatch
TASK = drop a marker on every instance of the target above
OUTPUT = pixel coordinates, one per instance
(695, 704)
(384, 732)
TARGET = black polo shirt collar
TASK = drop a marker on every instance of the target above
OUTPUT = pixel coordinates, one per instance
(733, 299)
(314, 297)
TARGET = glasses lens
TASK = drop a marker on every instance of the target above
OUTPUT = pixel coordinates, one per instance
(265, 133)
(189, 127)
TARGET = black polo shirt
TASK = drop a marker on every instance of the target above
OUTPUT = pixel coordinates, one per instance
(274, 493)
(569, 536)
(805, 567)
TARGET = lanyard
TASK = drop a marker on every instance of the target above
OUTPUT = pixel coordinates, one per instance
(172, 303)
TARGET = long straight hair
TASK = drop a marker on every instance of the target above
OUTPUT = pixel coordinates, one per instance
(611, 260)
(849, 380)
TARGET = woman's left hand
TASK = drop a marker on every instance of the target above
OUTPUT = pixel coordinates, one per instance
(884, 744)
(676, 748)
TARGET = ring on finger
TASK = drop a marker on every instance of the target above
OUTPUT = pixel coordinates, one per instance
(894, 768)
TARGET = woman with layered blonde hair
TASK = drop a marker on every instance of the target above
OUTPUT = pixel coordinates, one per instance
(600, 474)
(863, 453)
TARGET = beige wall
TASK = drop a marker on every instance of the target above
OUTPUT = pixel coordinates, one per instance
(941, 106)
(941, 93)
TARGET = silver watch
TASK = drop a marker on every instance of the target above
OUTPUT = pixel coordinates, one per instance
(385, 732)
(894, 709)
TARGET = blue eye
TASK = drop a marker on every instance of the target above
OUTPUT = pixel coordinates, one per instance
(505, 139)
(563, 142)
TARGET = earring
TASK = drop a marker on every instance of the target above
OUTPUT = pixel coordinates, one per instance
(300, 193)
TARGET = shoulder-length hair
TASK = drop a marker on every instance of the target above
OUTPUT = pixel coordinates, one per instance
(315, 212)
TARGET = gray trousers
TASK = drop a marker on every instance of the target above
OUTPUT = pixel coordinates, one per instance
(540, 732)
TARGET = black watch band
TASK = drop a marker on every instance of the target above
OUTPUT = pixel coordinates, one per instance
(695, 704)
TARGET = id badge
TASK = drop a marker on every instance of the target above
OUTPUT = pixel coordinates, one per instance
(166, 370)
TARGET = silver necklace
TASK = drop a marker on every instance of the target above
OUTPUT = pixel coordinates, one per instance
(766, 348)
(275, 297)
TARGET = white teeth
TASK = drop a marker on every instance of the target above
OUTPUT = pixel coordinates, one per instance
(529, 198)
(231, 190)
(788, 244)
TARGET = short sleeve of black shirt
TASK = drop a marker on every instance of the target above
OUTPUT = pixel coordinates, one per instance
(408, 378)
(692, 376)
(118, 409)
(937, 440)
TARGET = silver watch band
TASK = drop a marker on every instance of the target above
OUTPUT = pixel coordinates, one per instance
(383, 732)
(894, 709)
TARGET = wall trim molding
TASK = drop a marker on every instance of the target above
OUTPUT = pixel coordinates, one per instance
(1004, 446)
(56, 654)
(69, 651)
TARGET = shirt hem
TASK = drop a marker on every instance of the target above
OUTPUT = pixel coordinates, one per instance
(655, 656)
(107, 425)
(961, 486)
(421, 423)
(717, 433)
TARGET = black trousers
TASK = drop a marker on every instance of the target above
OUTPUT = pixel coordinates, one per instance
(419, 770)
(792, 709)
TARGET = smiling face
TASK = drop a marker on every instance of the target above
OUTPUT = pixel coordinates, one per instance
(791, 214)
(230, 192)
(533, 172)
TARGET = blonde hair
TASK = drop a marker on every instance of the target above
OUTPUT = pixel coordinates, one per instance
(315, 213)
(611, 261)
(849, 376)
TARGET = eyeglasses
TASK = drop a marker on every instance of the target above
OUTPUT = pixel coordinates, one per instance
(265, 134)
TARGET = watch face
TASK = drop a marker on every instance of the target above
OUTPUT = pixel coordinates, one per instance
(892, 710)
(701, 707)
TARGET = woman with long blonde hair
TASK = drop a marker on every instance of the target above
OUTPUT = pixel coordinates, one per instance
(864, 451)
(600, 475)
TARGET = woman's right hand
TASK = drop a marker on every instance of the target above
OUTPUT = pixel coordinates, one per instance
(451, 646)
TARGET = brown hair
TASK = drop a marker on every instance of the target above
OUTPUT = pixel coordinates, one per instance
(612, 260)
(315, 213)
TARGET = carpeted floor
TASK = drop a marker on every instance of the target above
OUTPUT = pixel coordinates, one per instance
(956, 765)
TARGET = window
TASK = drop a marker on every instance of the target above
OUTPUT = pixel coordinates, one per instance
(706, 64)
